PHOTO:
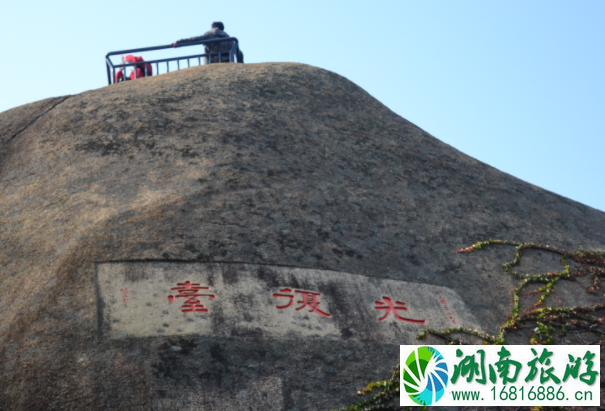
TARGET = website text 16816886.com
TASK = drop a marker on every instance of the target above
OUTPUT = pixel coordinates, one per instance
(540, 393)
(466, 395)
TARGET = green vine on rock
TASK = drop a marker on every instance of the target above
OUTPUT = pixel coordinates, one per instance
(590, 263)
(387, 391)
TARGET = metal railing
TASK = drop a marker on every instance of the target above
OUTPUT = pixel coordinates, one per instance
(222, 56)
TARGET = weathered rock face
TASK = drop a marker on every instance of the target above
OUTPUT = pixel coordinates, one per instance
(230, 173)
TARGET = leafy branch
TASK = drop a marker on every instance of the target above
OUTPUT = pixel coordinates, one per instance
(590, 263)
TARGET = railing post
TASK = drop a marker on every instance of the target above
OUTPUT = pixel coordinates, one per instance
(231, 55)
(108, 73)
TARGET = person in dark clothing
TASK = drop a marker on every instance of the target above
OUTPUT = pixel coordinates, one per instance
(217, 31)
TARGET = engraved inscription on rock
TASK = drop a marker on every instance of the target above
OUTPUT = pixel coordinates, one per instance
(138, 299)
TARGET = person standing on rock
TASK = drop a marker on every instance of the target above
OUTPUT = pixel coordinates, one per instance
(217, 31)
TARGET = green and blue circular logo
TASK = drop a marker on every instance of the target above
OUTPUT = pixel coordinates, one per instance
(424, 376)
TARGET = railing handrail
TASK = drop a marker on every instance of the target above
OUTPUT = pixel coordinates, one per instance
(169, 46)
(109, 63)
(163, 60)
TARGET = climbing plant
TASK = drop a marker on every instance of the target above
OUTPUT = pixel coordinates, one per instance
(546, 319)
(384, 393)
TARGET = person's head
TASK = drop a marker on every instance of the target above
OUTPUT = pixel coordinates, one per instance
(218, 25)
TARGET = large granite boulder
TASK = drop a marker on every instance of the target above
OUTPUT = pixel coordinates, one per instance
(246, 187)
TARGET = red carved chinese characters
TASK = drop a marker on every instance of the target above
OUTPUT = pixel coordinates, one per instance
(308, 299)
(190, 291)
(449, 313)
(290, 296)
(389, 308)
(124, 295)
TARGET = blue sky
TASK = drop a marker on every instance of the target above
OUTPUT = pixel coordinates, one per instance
(519, 85)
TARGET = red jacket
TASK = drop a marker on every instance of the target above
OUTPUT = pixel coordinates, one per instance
(140, 68)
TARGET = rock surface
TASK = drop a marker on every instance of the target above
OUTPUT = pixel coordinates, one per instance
(268, 164)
